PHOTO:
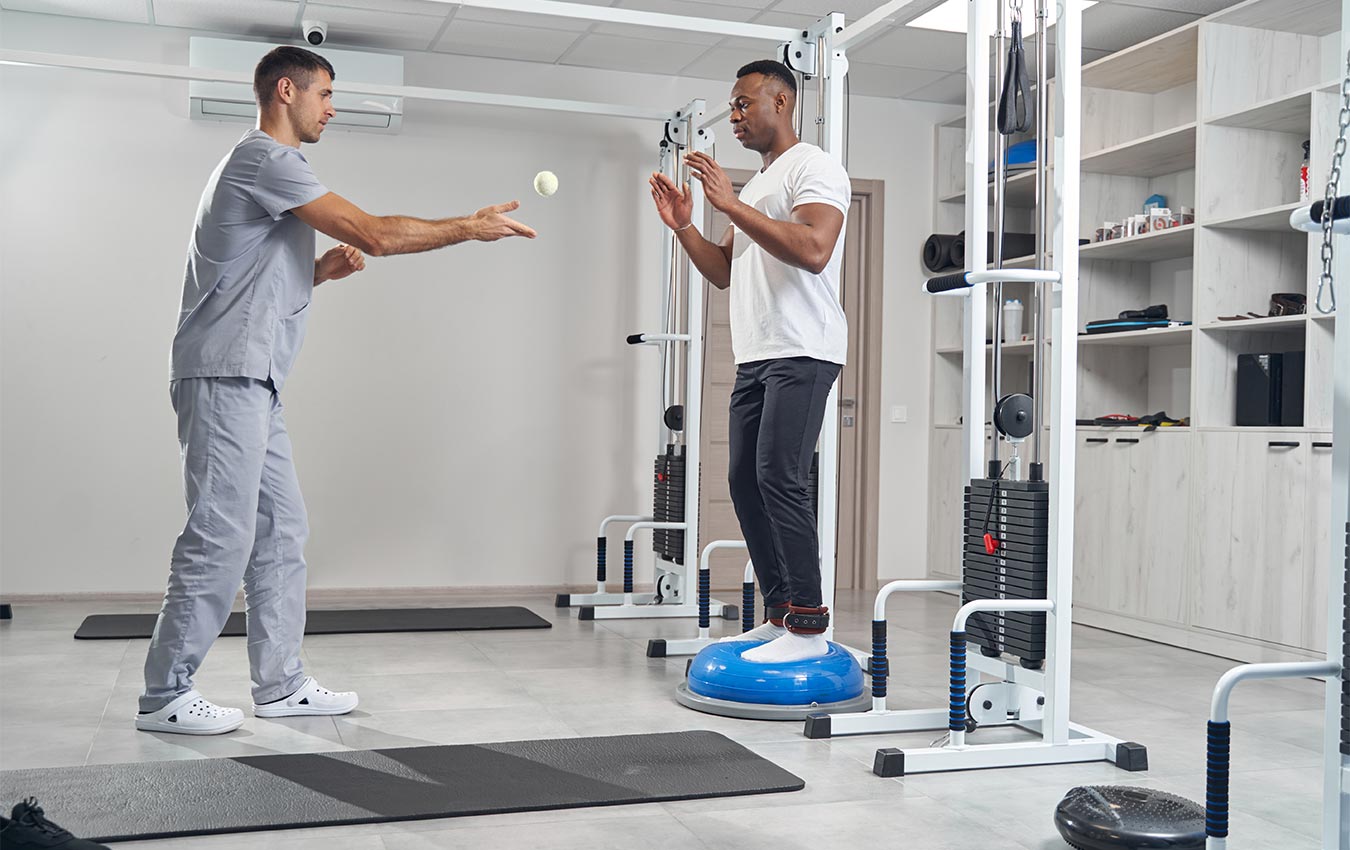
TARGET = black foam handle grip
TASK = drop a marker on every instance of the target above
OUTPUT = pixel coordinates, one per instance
(635, 339)
(947, 282)
(1339, 209)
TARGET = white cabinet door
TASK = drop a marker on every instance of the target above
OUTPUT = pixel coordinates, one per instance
(1151, 532)
(946, 508)
(1247, 552)
(1097, 470)
(1318, 562)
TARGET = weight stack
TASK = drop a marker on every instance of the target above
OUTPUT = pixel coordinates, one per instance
(668, 504)
(1019, 521)
(1345, 652)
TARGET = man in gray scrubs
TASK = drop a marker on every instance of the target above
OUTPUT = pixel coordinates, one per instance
(251, 272)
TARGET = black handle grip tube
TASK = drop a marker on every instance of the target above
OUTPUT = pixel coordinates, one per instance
(747, 606)
(880, 666)
(956, 691)
(1218, 752)
(946, 283)
(635, 339)
(600, 544)
(1339, 209)
(628, 566)
(704, 598)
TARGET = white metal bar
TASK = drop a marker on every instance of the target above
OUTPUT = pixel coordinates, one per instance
(833, 65)
(965, 612)
(1063, 369)
(715, 118)
(1335, 813)
(1218, 706)
(651, 339)
(1021, 754)
(867, 27)
(609, 14)
(698, 140)
(656, 526)
(908, 586)
(880, 722)
(687, 646)
(603, 598)
(979, 26)
(653, 612)
(184, 72)
(609, 520)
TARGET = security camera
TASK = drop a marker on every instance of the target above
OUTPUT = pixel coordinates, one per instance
(316, 32)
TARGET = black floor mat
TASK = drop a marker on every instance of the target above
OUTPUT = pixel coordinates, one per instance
(116, 802)
(338, 622)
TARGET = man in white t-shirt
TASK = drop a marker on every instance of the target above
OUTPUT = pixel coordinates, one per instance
(781, 257)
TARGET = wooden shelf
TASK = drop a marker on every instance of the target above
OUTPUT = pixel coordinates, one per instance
(1164, 245)
(1152, 66)
(1139, 339)
(1322, 317)
(1291, 113)
(1308, 17)
(1263, 324)
(1152, 156)
(1274, 219)
(1021, 191)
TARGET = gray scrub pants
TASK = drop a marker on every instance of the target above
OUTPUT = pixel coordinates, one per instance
(246, 522)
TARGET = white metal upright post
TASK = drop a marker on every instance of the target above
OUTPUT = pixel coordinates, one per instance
(696, 139)
(980, 28)
(832, 66)
(1063, 369)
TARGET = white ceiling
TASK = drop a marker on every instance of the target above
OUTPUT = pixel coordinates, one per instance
(901, 62)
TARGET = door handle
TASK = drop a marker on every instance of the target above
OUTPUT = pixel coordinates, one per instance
(1127, 439)
(848, 402)
(1283, 444)
(1321, 445)
(1097, 440)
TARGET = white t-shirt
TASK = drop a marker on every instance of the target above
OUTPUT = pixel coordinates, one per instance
(778, 310)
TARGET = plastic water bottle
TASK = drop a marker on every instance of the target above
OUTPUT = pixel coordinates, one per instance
(1012, 320)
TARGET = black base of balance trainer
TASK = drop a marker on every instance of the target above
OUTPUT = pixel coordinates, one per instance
(119, 802)
(1113, 817)
(338, 622)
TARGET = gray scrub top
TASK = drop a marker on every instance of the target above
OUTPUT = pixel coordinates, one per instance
(250, 266)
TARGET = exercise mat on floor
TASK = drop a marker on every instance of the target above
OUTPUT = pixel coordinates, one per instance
(122, 802)
(338, 622)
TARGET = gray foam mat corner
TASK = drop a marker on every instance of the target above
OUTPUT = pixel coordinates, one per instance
(118, 802)
(338, 622)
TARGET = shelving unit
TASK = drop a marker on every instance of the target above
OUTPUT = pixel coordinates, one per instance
(1172, 116)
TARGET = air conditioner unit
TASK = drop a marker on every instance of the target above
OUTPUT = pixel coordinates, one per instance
(234, 101)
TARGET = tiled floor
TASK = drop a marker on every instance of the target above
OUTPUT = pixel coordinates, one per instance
(67, 702)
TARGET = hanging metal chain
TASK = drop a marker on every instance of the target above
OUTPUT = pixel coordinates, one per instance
(1326, 283)
(1017, 11)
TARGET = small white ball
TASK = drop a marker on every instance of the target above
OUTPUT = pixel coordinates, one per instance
(545, 183)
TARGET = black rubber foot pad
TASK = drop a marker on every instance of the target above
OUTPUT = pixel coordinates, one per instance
(889, 762)
(586, 612)
(562, 600)
(817, 726)
(337, 622)
(122, 802)
(1131, 756)
(731, 612)
(656, 648)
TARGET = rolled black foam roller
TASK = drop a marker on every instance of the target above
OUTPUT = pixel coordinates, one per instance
(937, 252)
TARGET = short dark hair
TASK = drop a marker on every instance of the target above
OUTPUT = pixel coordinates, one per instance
(296, 63)
(771, 68)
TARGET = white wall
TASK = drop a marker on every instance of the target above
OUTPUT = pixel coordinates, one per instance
(460, 418)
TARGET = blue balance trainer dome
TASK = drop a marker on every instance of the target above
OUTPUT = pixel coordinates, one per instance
(719, 672)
